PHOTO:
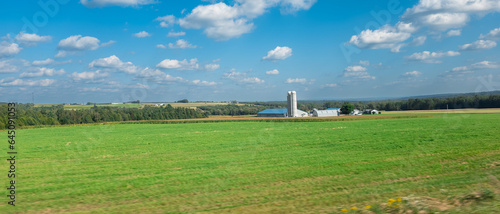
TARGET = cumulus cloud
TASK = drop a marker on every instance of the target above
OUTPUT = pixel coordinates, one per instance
(462, 70)
(222, 22)
(454, 33)
(296, 80)
(182, 44)
(212, 67)
(179, 65)
(12, 65)
(203, 83)
(43, 72)
(493, 35)
(478, 45)
(176, 34)
(166, 21)
(79, 43)
(411, 74)
(385, 37)
(113, 63)
(357, 72)
(31, 39)
(142, 34)
(273, 72)
(121, 3)
(242, 77)
(8, 49)
(279, 53)
(21, 82)
(431, 57)
(89, 76)
(161, 46)
(43, 62)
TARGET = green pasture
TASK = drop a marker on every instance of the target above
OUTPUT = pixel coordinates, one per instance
(258, 167)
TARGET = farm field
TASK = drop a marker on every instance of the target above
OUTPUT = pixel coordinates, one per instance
(191, 105)
(449, 111)
(442, 161)
(76, 107)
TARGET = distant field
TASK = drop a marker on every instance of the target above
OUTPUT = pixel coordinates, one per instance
(450, 111)
(76, 107)
(191, 105)
(261, 167)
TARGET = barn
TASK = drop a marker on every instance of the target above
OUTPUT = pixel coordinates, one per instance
(279, 112)
(325, 113)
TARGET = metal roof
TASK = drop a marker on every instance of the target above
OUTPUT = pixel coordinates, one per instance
(274, 111)
(333, 109)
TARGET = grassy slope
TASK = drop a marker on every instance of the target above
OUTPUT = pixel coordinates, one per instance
(254, 166)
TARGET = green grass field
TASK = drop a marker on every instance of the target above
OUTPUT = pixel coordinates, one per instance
(260, 167)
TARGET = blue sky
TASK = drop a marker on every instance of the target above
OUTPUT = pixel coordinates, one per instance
(246, 50)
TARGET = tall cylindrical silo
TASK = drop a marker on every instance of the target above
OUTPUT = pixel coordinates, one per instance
(289, 104)
(294, 104)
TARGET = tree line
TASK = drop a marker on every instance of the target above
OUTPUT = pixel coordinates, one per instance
(27, 114)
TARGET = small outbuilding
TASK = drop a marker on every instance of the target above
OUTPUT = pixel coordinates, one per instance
(355, 112)
(280, 112)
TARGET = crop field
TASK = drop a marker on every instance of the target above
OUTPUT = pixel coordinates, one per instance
(441, 162)
(191, 105)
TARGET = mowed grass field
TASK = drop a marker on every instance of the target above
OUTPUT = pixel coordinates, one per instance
(258, 167)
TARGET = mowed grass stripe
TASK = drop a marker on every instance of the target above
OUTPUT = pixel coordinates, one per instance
(253, 166)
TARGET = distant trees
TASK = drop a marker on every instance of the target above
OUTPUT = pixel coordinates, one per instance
(232, 109)
(347, 108)
(27, 114)
(183, 101)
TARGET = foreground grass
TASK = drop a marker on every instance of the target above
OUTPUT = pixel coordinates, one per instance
(257, 166)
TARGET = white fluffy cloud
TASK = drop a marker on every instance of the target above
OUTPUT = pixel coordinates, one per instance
(478, 45)
(9, 49)
(273, 72)
(43, 62)
(493, 35)
(179, 65)
(166, 21)
(176, 34)
(296, 80)
(89, 76)
(454, 33)
(442, 15)
(203, 83)
(331, 85)
(113, 62)
(212, 67)
(43, 72)
(385, 37)
(410, 74)
(13, 65)
(462, 70)
(21, 82)
(31, 39)
(242, 77)
(357, 72)
(279, 53)
(142, 34)
(161, 46)
(159, 76)
(182, 44)
(122, 3)
(78, 43)
(431, 57)
(222, 22)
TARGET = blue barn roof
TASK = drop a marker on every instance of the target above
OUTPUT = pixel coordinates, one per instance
(274, 111)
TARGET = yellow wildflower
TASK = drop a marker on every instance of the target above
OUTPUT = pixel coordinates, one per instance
(391, 200)
(399, 199)
(344, 210)
(354, 208)
(368, 207)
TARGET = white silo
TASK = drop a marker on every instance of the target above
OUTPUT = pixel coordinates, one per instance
(289, 104)
(294, 104)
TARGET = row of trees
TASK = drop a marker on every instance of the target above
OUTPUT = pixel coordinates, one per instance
(232, 109)
(27, 114)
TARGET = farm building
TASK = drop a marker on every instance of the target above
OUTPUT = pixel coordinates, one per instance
(355, 112)
(325, 113)
(370, 111)
(280, 112)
